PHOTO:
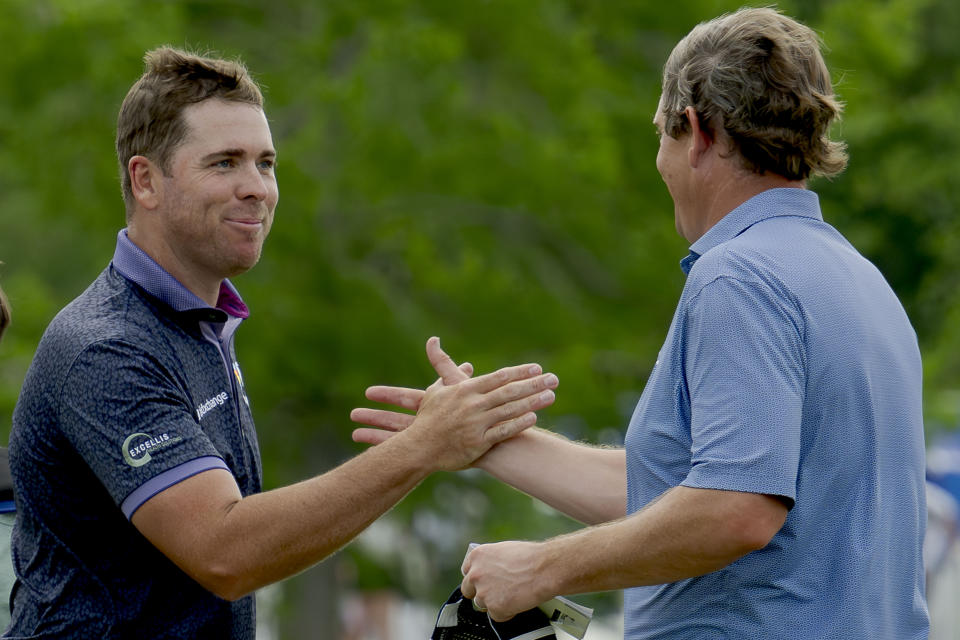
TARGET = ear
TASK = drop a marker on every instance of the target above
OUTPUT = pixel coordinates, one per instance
(700, 140)
(145, 182)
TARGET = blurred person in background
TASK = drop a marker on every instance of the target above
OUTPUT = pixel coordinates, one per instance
(7, 505)
(941, 550)
(133, 449)
(772, 480)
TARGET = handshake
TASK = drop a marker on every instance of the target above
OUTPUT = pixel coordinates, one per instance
(457, 419)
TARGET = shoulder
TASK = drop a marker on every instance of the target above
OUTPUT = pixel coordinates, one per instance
(775, 253)
(109, 327)
(747, 283)
(111, 309)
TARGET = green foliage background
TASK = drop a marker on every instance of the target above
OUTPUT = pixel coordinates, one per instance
(481, 170)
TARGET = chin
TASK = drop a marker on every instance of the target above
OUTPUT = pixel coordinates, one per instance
(241, 265)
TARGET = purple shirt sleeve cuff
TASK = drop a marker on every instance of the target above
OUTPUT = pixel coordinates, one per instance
(167, 479)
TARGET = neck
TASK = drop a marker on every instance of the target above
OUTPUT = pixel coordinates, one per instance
(207, 289)
(728, 192)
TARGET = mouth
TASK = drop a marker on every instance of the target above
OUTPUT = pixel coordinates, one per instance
(245, 223)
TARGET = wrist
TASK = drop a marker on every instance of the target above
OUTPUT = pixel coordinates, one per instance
(558, 562)
(419, 455)
(504, 454)
(545, 567)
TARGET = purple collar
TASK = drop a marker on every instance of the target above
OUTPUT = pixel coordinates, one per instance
(135, 265)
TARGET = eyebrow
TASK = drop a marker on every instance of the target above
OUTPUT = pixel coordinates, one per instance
(237, 153)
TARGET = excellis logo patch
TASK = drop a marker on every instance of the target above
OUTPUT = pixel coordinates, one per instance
(138, 447)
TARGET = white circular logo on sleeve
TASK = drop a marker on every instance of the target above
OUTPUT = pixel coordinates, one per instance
(137, 447)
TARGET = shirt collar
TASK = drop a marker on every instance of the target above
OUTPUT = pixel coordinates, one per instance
(135, 265)
(772, 203)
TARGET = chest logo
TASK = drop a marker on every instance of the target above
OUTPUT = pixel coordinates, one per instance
(211, 403)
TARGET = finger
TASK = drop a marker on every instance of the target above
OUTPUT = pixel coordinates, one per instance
(497, 616)
(392, 420)
(443, 364)
(521, 389)
(467, 368)
(517, 408)
(509, 428)
(468, 589)
(438, 383)
(371, 436)
(465, 565)
(399, 396)
(500, 377)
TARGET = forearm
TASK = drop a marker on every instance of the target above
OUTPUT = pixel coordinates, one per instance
(243, 543)
(686, 533)
(586, 483)
(285, 531)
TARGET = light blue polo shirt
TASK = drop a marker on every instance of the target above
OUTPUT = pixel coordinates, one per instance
(790, 369)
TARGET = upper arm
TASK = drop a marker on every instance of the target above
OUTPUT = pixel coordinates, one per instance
(758, 516)
(737, 522)
(131, 421)
(186, 523)
(745, 375)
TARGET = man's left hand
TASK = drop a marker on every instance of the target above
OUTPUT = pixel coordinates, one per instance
(506, 578)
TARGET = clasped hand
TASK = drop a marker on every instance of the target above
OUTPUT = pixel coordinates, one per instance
(458, 418)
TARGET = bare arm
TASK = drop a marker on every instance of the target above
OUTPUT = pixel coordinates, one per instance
(586, 483)
(233, 545)
(685, 533)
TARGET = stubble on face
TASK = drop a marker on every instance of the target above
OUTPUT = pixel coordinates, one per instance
(221, 191)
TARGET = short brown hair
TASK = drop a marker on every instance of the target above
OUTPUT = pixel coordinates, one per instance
(151, 120)
(760, 77)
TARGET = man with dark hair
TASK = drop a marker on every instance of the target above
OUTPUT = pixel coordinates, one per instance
(133, 449)
(772, 480)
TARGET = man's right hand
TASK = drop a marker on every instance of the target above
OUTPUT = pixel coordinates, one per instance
(459, 417)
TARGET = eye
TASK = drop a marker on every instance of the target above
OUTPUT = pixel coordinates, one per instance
(266, 164)
(225, 163)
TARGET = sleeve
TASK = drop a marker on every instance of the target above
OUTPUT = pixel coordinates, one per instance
(131, 420)
(745, 372)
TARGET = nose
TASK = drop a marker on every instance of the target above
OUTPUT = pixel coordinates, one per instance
(254, 184)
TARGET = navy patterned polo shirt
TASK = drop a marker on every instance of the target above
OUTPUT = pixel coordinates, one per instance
(134, 387)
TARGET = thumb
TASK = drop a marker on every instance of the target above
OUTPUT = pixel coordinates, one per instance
(443, 364)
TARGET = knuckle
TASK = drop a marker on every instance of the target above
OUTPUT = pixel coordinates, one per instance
(473, 404)
(501, 413)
